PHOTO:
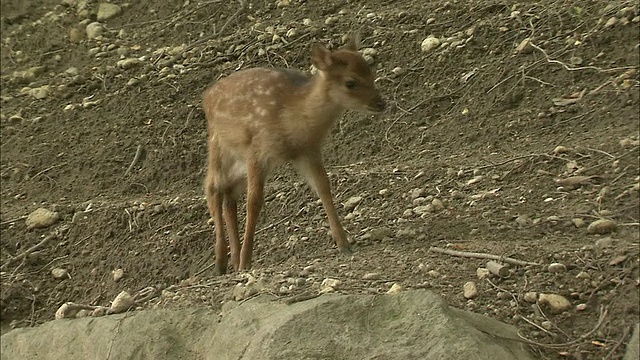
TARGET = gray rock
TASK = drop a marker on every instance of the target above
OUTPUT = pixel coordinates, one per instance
(107, 11)
(422, 327)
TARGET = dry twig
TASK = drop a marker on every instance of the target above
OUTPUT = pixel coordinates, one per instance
(481, 256)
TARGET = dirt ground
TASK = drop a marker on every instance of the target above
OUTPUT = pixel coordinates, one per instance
(496, 129)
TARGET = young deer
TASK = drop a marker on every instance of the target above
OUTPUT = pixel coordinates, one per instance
(260, 118)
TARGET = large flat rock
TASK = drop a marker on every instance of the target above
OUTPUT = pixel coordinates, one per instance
(410, 325)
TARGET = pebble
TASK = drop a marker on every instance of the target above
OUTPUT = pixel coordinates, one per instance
(395, 288)
(556, 268)
(530, 297)
(83, 313)
(416, 193)
(397, 71)
(60, 274)
(547, 325)
(94, 30)
(329, 282)
(611, 22)
(556, 303)
(101, 311)
(581, 307)
(424, 209)
(524, 47)
(242, 291)
(121, 303)
(604, 242)
(437, 204)
(41, 218)
(129, 63)
(117, 274)
(470, 290)
(482, 273)
(523, 220)
(429, 44)
(283, 3)
(352, 202)
(330, 20)
(381, 233)
(41, 92)
(578, 222)
(583, 275)
(371, 276)
(107, 11)
(601, 226)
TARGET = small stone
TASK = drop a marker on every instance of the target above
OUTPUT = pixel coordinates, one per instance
(583, 275)
(121, 303)
(397, 71)
(437, 204)
(424, 209)
(94, 30)
(548, 325)
(395, 288)
(380, 233)
(283, 3)
(129, 63)
(604, 242)
(371, 276)
(83, 313)
(352, 202)
(523, 220)
(430, 43)
(117, 274)
(556, 303)
(330, 20)
(578, 222)
(407, 213)
(556, 268)
(101, 311)
(332, 283)
(416, 193)
(581, 307)
(41, 218)
(242, 291)
(601, 226)
(611, 22)
(560, 149)
(470, 290)
(524, 47)
(107, 11)
(482, 273)
(60, 274)
(41, 92)
(530, 297)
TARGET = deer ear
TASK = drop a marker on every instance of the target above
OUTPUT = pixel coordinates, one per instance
(353, 41)
(321, 57)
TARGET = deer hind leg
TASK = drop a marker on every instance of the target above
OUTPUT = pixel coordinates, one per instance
(311, 168)
(231, 219)
(255, 200)
(214, 202)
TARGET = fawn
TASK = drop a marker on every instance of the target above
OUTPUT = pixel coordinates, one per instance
(260, 118)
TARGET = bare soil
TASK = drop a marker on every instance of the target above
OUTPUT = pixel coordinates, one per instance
(473, 123)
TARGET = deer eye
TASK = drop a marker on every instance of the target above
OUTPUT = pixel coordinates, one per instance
(351, 84)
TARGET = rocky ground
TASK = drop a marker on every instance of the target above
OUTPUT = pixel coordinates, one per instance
(512, 131)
